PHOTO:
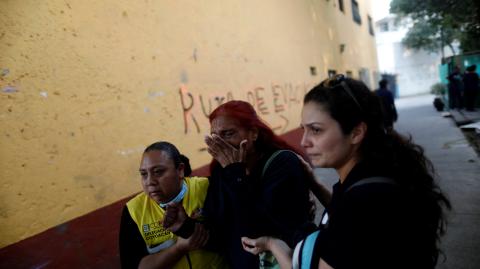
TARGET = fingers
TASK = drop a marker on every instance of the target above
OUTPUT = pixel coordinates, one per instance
(170, 217)
(250, 245)
(214, 141)
(225, 148)
(212, 149)
(174, 217)
(178, 207)
(306, 164)
(248, 242)
(222, 143)
(197, 214)
(224, 152)
(218, 143)
(217, 149)
(203, 235)
(199, 237)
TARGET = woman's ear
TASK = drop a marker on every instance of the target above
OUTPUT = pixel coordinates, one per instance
(181, 170)
(254, 134)
(358, 133)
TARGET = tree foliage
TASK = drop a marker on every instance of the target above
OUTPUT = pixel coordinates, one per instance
(438, 23)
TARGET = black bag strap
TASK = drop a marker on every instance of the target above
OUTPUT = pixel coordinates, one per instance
(269, 161)
(372, 180)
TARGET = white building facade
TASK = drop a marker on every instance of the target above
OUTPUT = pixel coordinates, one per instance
(416, 71)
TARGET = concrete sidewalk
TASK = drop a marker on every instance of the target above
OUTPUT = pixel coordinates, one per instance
(463, 117)
(458, 169)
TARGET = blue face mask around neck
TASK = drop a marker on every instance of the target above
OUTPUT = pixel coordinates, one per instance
(177, 198)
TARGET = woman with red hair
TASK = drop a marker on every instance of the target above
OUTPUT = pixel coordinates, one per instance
(258, 184)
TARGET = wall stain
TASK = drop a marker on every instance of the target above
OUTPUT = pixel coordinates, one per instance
(153, 94)
(5, 71)
(83, 178)
(100, 195)
(194, 56)
(53, 152)
(9, 89)
(184, 77)
(165, 110)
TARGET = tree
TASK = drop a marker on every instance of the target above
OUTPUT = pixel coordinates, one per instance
(438, 23)
(429, 36)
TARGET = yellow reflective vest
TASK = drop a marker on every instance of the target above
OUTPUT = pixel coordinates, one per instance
(148, 216)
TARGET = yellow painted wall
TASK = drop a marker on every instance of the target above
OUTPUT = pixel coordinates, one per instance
(87, 84)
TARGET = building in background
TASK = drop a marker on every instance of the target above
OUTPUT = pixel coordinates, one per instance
(415, 71)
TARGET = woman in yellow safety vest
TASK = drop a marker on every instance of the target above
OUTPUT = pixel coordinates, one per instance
(144, 242)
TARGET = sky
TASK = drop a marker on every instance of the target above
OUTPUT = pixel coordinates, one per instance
(380, 9)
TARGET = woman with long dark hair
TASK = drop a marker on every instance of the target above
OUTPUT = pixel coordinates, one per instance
(386, 210)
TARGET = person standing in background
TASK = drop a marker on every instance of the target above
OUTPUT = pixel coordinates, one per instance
(388, 104)
(455, 89)
(470, 81)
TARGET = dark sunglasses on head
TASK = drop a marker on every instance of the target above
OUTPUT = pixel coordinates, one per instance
(339, 80)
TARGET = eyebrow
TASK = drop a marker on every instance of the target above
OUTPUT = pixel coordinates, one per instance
(311, 124)
(153, 167)
(224, 131)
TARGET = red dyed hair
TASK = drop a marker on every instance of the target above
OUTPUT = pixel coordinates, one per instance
(246, 116)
